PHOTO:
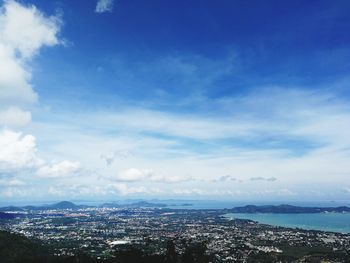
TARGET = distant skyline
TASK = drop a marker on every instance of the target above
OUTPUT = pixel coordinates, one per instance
(222, 100)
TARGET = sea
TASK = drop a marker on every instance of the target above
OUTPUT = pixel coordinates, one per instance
(334, 222)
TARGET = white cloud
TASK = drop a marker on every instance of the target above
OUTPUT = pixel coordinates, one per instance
(259, 178)
(23, 31)
(139, 175)
(103, 6)
(17, 151)
(134, 174)
(15, 87)
(56, 191)
(14, 117)
(77, 190)
(14, 192)
(11, 182)
(59, 170)
(169, 179)
(19, 154)
(124, 189)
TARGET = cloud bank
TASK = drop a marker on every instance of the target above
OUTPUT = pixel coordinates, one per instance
(24, 31)
(19, 154)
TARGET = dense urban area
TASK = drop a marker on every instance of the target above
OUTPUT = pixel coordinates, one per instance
(142, 233)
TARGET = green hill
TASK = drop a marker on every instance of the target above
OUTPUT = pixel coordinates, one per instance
(16, 248)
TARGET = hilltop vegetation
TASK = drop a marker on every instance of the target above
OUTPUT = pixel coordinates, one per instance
(15, 248)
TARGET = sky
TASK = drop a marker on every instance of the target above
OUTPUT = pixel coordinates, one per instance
(222, 100)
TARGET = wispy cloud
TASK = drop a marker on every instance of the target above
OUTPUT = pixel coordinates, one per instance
(226, 178)
(259, 178)
(11, 182)
(110, 157)
(147, 175)
(103, 6)
(292, 142)
(296, 121)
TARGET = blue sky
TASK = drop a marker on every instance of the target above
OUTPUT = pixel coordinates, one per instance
(235, 100)
(271, 43)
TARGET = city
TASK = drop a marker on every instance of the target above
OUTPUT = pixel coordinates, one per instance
(101, 232)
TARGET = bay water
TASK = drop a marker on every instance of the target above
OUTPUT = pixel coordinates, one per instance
(335, 222)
